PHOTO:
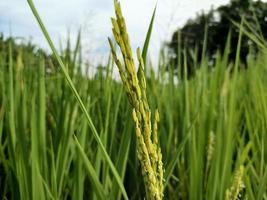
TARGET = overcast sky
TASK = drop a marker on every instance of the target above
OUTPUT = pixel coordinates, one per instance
(93, 16)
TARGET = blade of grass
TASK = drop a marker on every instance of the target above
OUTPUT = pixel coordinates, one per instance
(148, 35)
(147, 40)
(93, 175)
(82, 106)
(37, 186)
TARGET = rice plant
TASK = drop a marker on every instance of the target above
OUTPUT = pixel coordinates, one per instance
(148, 148)
(64, 135)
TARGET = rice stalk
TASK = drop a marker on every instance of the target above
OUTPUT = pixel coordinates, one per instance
(148, 148)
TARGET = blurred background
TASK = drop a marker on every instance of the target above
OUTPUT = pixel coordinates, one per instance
(93, 18)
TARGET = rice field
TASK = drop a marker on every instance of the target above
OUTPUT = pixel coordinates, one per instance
(64, 135)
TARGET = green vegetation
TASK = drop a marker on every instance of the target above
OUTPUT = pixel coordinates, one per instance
(215, 26)
(64, 135)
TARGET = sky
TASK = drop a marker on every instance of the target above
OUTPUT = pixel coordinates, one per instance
(93, 18)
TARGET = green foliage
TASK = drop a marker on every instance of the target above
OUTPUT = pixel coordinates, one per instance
(219, 23)
(212, 129)
(210, 126)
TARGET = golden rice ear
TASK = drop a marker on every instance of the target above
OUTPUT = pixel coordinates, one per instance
(148, 149)
(234, 192)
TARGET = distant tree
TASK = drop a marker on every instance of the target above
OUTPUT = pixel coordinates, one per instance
(190, 38)
(26, 49)
(20, 47)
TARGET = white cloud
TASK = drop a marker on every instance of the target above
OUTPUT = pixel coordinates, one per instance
(170, 14)
(94, 17)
